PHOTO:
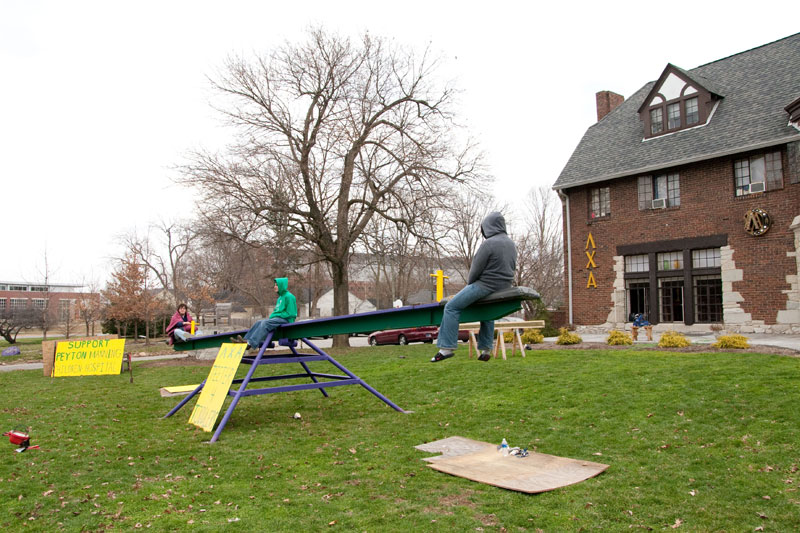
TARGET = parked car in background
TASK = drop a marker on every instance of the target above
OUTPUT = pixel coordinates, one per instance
(406, 335)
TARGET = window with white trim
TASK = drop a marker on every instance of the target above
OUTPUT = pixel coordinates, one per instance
(18, 303)
(39, 303)
(637, 263)
(665, 189)
(758, 173)
(599, 202)
(692, 111)
(66, 309)
(670, 261)
(674, 115)
(656, 121)
(708, 258)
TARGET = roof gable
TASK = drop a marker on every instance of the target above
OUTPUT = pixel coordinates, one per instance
(674, 83)
(756, 84)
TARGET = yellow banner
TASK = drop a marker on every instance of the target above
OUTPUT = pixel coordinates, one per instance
(89, 357)
(217, 385)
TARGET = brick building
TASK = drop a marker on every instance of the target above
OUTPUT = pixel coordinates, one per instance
(683, 202)
(58, 299)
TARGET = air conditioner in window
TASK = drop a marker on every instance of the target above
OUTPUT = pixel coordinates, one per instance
(659, 203)
(756, 186)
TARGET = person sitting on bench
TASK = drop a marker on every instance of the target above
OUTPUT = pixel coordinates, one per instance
(180, 325)
(492, 269)
(285, 312)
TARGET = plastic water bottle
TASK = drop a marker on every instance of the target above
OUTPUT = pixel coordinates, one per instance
(504, 447)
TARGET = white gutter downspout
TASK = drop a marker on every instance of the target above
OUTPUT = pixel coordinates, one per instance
(565, 199)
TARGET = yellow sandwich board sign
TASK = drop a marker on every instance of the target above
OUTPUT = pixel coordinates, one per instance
(92, 357)
(217, 385)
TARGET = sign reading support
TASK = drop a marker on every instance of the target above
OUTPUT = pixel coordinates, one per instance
(93, 357)
(217, 385)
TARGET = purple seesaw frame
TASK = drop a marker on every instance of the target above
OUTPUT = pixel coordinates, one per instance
(296, 357)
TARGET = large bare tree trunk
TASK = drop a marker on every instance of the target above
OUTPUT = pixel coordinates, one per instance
(341, 300)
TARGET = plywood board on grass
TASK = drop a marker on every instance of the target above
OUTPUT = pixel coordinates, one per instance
(481, 462)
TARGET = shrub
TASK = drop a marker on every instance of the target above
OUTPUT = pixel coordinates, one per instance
(508, 336)
(532, 336)
(567, 337)
(673, 339)
(618, 338)
(549, 331)
(738, 342)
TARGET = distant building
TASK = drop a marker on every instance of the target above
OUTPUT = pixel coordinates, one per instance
(356, 305)
(683, 202)
(59, 298)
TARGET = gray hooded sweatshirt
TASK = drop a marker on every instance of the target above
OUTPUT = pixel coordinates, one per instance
(495, 261)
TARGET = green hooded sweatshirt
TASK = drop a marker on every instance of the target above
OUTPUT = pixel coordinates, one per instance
(286, 306)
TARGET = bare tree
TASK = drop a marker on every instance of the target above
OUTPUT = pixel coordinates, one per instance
(242, 267)
(12, 321)
(466, 211)
(42, 304)
(90, 305)
(540, 252)
(165, 250)
(333, 134)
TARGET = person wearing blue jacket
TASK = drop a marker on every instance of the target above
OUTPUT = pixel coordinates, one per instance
(492, 269)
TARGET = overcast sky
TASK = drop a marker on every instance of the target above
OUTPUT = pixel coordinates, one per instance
(100, 100)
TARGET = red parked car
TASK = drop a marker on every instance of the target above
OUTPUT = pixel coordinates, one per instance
(406, 335)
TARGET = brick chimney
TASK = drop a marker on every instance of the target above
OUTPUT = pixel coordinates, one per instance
(607, 101)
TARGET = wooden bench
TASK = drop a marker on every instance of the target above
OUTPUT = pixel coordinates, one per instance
(501, 328)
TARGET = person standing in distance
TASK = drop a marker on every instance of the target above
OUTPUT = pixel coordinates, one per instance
(492, 270)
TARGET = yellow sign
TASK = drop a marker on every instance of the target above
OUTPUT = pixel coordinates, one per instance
(591, 263)
(590, 242)
(89, 357)
(591, 282)
(217, 385)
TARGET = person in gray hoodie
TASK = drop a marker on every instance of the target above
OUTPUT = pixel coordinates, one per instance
(492, 269)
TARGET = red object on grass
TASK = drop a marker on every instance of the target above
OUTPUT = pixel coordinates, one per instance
(16, 436)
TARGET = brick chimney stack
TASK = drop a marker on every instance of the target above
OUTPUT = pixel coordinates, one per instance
(607, 101)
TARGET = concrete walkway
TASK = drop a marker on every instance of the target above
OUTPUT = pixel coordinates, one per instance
(34, 366)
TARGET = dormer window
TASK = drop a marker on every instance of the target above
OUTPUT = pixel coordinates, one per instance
(692, 113)
(676, 102)
(674, 116)
(656, 121)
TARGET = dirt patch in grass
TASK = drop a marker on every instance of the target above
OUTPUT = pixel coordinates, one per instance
(183, 361)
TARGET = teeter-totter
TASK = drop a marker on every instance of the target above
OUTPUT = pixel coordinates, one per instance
(492, 307)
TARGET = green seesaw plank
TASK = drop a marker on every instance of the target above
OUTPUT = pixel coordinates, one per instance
(493, 307)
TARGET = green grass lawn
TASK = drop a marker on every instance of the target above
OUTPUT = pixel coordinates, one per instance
(695, 442)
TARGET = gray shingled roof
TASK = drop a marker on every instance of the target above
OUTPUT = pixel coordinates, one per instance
(757, 85)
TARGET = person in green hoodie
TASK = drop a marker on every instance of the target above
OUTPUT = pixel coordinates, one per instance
(285, 312)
